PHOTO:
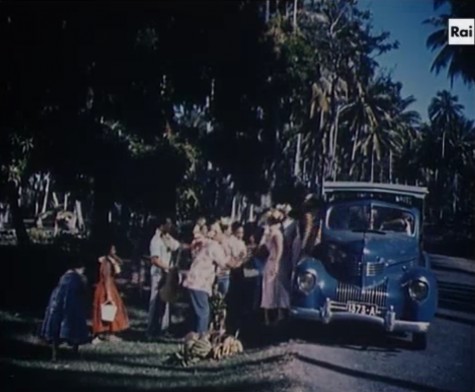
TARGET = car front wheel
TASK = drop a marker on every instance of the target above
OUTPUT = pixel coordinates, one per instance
(419, 340)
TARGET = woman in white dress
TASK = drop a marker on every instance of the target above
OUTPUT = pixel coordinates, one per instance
(274, 294)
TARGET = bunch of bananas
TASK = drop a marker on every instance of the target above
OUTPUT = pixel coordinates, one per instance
(196, 348)
(215, 346)
(229, 346)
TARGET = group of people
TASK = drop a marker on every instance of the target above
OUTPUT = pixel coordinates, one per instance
(220, 253)
(66, 314)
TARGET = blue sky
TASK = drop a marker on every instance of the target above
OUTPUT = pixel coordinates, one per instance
(410, 64)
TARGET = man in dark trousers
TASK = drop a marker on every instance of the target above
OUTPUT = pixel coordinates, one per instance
(161, 247)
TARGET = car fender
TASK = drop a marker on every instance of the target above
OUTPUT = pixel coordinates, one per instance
(325, 286)
(420, 310)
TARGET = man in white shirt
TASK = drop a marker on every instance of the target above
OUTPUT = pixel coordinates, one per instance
(161, 247)
(201, 276)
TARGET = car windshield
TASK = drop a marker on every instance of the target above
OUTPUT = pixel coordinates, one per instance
(370, 217)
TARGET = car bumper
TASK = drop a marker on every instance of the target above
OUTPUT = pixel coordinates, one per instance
(389, 322)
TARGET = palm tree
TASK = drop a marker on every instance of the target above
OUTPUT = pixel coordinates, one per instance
(461, 154)
(459, 60)
(404, 134)
(444, 114)
(368, 116)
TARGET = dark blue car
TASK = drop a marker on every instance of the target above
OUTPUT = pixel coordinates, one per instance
(369, 264)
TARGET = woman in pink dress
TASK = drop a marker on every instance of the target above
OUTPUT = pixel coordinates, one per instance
(274, 294)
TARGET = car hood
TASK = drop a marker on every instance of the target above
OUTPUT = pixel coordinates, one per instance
(366, 258)
(372, 247)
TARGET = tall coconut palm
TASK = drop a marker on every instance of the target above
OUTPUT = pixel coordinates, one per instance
(444, 113)
(368, 115)
(461, 145)
(404, 127)
(458, 59)
(460, 154)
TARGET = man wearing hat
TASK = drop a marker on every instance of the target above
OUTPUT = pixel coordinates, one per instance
(310, 225)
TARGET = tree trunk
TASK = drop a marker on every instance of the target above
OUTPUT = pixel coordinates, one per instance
(443, 145)
(294, 24)
(316, 173)
(390, 167)
(2, 216)
(372, 164)
(267, 17)
(335, 143)
(100, 212)
(45, 199)
(454, 193)
(66, 197)
(80, 217)
(233, 208)
(355, 143)
(353, 151)
(17, 215)
(55, 200)
(297, 156)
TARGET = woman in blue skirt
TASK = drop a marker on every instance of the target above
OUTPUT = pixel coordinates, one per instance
(66, 314)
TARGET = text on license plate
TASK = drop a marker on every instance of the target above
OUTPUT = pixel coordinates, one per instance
(369, 310)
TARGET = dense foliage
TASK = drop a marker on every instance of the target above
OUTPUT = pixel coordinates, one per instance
(174, 107)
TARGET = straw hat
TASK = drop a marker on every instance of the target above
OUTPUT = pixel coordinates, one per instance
(285, 208)
(226, 221)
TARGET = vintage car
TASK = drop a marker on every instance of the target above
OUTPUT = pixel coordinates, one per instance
(369, 264)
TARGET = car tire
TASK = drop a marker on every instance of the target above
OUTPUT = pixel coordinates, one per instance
(419, 340)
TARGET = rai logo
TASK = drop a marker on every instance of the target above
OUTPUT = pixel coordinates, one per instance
(461, 31)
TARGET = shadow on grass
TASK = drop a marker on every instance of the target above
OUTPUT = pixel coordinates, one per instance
(26, 366)
(15, 378)
(214, 368)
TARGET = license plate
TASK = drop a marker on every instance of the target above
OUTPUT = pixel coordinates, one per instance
(366, 309)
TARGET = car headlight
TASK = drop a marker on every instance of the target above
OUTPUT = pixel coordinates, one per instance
(306, 281)
(418, 290)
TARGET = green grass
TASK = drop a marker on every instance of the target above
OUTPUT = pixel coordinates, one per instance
(130, 365)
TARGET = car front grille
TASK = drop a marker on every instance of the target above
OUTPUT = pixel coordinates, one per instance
(375, 295)
(370, 269)
(374, 269)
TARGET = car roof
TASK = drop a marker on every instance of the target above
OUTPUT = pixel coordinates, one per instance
(375, 202)
(374, 188)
